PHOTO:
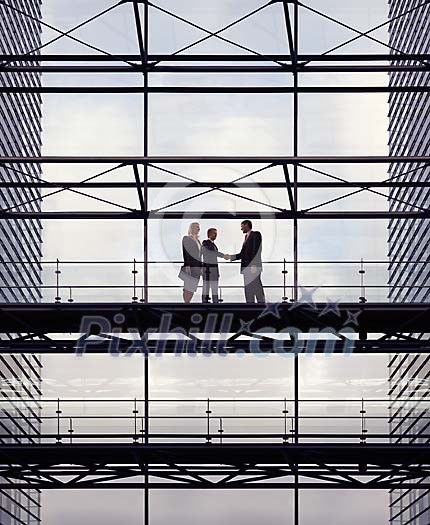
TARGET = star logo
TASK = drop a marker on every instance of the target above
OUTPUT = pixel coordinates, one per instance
(306, 297)
(352, 318)
(271, 309)
(330, 307)
(245, 327)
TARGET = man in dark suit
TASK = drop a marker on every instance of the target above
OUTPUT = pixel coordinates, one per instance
(250, 263)
(210, 271)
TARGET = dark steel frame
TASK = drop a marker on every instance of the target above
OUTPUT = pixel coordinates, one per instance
(241, 466)
(144, 63)
(400, 324)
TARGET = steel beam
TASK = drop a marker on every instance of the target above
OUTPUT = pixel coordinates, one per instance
(213, 69)
(208, 347)
(217, 57)
(215, 184)
(213, 90)
(249, 466)
(263, 215)
(387, 318)
(262, 159)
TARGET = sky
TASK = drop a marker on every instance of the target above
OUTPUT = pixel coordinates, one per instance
(213, 125)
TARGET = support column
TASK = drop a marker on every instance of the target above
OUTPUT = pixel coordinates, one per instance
(145, 150)
(296, 247)
(147, 430)
(145, 234)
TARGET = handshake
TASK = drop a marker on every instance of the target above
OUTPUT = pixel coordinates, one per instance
(227, 257)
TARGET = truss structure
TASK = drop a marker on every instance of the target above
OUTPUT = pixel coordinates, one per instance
(280, 328)
(293, 65)
(241, 466)
(148, 465)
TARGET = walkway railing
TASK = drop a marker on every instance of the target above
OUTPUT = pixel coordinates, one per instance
(210, 420)
(125, 281)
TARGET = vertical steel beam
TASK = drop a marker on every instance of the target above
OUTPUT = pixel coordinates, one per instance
(295, 151)
(145, 150)
(296, 434)
(293, 43)
(145, 233)
(142, 38)
(295, 247)
(147, 430)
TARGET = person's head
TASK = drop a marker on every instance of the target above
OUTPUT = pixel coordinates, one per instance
(212, 234)
(194, 228)
(246, 226)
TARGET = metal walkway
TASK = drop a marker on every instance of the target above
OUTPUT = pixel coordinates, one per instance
(179, 328)
(193, 466)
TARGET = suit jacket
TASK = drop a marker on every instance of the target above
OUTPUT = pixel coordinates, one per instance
(191, 252)
(250, 254)
(210, 255)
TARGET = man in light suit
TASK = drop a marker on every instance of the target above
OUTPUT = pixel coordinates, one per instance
(250, 263)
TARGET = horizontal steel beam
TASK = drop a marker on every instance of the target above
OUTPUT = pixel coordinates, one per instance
(218, 184)
(215, 90)
(237, 159)
(263, 215)
(192, 466)
(214, 347)
(179, 69)
(66, 318)
(215, 57)
(245, 485)
(304, 454)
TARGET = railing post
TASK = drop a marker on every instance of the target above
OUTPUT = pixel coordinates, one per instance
(284, 276)
(70, 431)
(58, 412)
(292, 428)
(134, 272)
(142, 430)
(208, 418)
(362, 271)
(363, 423)
(135, 412)
(57, 277)
(220, 431)
(70, 299)
(285, 412)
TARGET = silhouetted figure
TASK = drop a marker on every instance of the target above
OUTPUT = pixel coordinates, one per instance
(210, 270)
(250, 263)
(192, 268)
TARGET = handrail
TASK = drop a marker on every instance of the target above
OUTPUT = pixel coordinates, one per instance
(215, 400)
(103, 261)
(130, 269)
(328, 421)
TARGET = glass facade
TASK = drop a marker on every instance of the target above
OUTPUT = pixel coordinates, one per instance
(20, 247)
(409, 246)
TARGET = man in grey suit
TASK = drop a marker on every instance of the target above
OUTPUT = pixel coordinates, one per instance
(250, 263)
